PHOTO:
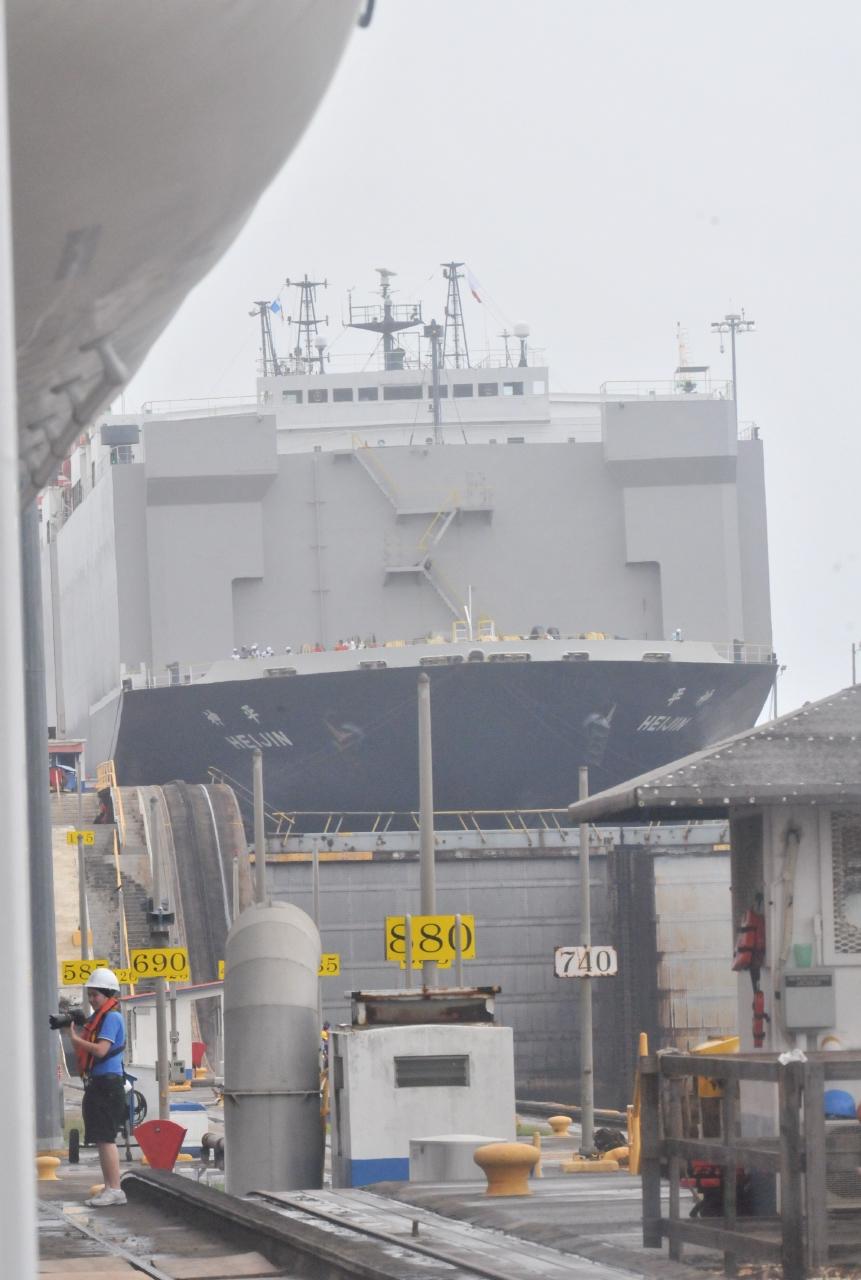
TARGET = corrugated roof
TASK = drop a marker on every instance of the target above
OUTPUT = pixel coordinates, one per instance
(812, 755)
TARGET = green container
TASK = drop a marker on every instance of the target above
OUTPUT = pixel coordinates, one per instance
(803, 955)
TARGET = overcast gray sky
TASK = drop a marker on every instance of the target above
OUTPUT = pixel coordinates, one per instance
(606, 170)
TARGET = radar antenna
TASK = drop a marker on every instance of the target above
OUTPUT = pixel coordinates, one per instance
(733, 324)
(684, 381)
(387, 319)
(270, 365)
(309, 348)
(457, 354)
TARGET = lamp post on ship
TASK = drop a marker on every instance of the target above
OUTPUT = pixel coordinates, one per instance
(733, 324)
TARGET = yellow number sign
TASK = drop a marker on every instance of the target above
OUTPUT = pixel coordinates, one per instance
(330, 966)
(89, 837)
(433, 938)
(161, 962)
(76, 972)
(126, 977)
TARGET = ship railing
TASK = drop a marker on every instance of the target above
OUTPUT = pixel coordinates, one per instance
(748, 431)
(420, 361)
(738, 651)
(696, 387)
(485, 632)
(328, 822)
(200, 405)
(165, 677)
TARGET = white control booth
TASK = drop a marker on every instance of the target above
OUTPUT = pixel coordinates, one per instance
(394, 1084)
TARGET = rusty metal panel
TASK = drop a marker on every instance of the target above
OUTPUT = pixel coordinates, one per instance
(697, 988)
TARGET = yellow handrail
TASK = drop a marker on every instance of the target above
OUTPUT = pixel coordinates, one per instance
(125, 929)
(106, 779)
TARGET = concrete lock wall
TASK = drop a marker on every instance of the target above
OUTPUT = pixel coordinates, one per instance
(525, 904)
(376, 1112)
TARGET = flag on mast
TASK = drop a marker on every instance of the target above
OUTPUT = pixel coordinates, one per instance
(473, 284)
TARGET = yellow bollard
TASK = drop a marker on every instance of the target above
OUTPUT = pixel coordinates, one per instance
(506, 1165)
(617, 1153)
(536, 1142)
(559, 1125)
(45, 1167)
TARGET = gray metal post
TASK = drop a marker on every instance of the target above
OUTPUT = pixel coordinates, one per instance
(315, 887)
(162, 1068)
(458, 953)
(235, 886)
(259, 830)
(427, 868)
(408, 948)
(433, 331)
(174, 1032)
(49, 1126)
(587, 1080)
(83, 913)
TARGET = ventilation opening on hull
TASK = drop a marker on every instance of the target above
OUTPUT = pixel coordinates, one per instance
(280, 671)
(575, 657)
(657, 657)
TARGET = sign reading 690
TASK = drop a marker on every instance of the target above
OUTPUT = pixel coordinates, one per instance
(161, 962)
(433, 938)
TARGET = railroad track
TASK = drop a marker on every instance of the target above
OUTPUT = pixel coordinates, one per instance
(342, 1235)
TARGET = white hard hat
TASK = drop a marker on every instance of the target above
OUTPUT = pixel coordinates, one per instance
(103, 978)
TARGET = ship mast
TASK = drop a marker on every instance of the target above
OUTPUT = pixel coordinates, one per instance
(309, 347)
(271, 366)
(459, 356)
(387, 319)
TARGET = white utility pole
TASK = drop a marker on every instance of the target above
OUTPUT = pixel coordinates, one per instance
(259, 830)
(427, 868)
(159, 938)
(587, 1076)
(17, 1132)
(315, 889)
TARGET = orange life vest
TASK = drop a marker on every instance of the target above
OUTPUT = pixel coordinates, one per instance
(90, 1031)
(750, 945)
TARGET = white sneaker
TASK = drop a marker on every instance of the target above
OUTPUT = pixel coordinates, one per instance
(106, 1197)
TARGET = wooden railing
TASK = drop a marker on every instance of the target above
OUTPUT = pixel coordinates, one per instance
(802, 1238)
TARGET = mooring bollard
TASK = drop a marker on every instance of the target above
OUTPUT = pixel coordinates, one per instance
(507, 1165)
(45, 1169)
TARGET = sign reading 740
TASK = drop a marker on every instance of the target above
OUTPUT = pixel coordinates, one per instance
(586, 962)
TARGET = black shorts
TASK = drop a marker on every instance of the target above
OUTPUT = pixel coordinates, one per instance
(104, 1108)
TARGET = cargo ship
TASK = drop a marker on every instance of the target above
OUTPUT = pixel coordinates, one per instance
(584, 577)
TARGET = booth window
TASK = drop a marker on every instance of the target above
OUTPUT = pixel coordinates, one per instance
(846, 877)
(432, 1071)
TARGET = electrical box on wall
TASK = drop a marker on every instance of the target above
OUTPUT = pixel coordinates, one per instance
(808, 999)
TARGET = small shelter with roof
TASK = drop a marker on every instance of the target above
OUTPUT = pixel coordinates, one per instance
(792, 792)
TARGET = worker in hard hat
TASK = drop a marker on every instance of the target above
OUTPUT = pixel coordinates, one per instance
(99, 1048)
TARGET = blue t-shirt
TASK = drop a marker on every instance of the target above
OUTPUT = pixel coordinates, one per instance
(114, 1029)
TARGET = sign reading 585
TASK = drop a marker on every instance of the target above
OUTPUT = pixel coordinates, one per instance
(433, 938)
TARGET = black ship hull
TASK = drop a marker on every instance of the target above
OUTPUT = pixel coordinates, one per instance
(505, 735)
